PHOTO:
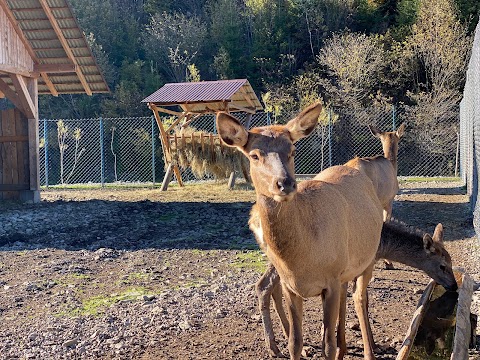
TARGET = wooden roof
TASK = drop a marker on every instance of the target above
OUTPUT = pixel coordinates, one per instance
(207, 96)
(62, 59)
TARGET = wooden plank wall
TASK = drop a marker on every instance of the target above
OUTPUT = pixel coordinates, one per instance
(12, 51)
(14, 157)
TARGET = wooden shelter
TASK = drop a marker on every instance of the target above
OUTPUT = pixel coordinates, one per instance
(192, 100)
(42, 51)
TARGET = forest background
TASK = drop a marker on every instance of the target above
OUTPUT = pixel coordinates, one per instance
(350, 53)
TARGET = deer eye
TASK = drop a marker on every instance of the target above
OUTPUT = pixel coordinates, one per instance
(443, 267)
(254, 156)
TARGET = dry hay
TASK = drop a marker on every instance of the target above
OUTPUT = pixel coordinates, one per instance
(209, 159)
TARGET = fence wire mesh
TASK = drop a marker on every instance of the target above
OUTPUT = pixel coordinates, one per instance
(109, 150)
(470, 129)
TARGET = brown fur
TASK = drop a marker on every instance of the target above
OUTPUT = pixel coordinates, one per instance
(318, 236)
(398, 243)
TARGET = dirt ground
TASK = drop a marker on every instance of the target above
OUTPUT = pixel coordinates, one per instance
(142, 274)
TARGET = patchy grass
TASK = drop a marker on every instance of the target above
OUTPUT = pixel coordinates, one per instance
(251, 260)
(428, 179)
(94, 305)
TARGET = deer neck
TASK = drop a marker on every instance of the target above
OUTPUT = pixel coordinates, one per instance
(278, 223)
(406, 249)
(391, 154)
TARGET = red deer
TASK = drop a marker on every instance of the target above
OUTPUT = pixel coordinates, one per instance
(382, 170)
(399, 243)
(318, 235)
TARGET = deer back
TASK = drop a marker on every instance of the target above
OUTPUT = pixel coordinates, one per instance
(382, 174)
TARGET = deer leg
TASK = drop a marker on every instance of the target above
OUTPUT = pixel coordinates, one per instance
(361, 307)
(331, 308)
(387, 215)
(341, 342)
(295, 314)
(265, 288)
(277, 302)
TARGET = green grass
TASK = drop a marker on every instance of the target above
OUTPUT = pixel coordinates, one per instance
(251, 260)
(94, 305)
(428, 179)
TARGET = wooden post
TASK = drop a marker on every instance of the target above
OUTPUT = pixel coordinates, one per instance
(231, 180)
(463, 326)
(167, 178)
(33, 195)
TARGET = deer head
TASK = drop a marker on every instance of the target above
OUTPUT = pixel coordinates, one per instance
(439, 263)
(389, 140)
(270, 150)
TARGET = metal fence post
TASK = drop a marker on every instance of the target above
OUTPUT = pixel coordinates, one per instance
(102, 155)
(393, 117)
(45, 136)
(330, 136)
(153, 151)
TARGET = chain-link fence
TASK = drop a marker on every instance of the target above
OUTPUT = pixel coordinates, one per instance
(470, 129)
(109, 150)
(99, 151)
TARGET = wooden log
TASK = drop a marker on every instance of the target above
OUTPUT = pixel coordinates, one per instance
(178, 175)
(167, 178)
(463, 325)
(231, 180)
(416, 321)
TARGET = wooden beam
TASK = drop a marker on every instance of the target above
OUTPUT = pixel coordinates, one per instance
(49, 84)
(65, 45)
(28, 104)
(153, 107)
(180, 118)
(55, 68)
(10, 94)
(241, 108)
(33, 138)
(247, 98)
(9, 69)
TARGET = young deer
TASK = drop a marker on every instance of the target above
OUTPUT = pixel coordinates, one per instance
(399, 243)
(410, 247)
(317, 235)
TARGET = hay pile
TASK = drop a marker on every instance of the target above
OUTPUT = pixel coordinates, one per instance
(203, 153)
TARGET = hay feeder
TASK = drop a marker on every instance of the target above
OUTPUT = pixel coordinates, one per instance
(183, 147)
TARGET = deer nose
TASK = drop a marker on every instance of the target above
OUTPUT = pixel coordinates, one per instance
(286, 185)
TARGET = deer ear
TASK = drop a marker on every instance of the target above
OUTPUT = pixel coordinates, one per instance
(428, 243)
(231, 131)
(438, 234)
(375, 132)
(305, 122)
(401, 130)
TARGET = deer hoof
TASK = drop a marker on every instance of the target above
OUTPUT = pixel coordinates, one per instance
(274, 352)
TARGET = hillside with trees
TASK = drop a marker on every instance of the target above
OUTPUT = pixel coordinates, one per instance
(351, 53)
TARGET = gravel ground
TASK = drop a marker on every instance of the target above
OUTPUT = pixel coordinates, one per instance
(140, 274)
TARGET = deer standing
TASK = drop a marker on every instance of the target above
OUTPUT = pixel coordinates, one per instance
(382, 170)
(399, 243)
(317, 235)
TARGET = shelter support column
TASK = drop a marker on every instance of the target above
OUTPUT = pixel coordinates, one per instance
(33, 195)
